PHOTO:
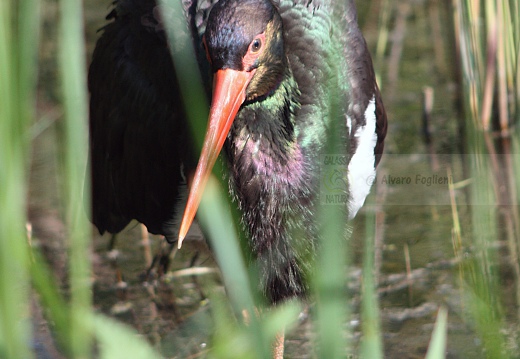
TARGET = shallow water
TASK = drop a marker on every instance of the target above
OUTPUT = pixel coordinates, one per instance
(411, 201)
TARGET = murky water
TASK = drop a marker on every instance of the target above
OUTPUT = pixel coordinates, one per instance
(416, 264)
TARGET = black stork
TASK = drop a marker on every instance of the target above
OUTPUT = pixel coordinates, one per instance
(286, 74)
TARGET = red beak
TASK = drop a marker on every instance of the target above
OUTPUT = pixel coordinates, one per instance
(229, 92)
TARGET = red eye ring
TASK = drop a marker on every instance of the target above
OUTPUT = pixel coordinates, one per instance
(256, 47)
(257, 44)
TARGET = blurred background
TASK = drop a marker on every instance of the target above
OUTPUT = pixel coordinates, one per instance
(441, 224)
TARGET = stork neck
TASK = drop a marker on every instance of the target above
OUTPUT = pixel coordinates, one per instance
(270, 120)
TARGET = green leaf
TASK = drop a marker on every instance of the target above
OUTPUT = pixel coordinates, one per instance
(437, 348)
(117, 340)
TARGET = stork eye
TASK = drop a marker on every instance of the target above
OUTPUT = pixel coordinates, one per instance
(256, 45)
(251, 58)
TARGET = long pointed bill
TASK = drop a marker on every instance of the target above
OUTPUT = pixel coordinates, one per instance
(229, 92)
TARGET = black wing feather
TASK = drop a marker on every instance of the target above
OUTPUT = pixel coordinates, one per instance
(139, 138)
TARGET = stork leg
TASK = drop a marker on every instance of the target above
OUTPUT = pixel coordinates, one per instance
(147, 252)
(278, 345)
(161, 260)
(279, 340)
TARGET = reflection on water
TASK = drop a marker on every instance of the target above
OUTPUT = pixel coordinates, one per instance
(424, 242)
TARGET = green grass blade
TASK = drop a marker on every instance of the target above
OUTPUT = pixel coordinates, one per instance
(371, 343)
(57, 309)
(437, 348)
(214, 211)
(332, 259)
(74, 89)
(188, 73)
(329, 285)
(18, 44)
(118, 341)
(215, 215)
